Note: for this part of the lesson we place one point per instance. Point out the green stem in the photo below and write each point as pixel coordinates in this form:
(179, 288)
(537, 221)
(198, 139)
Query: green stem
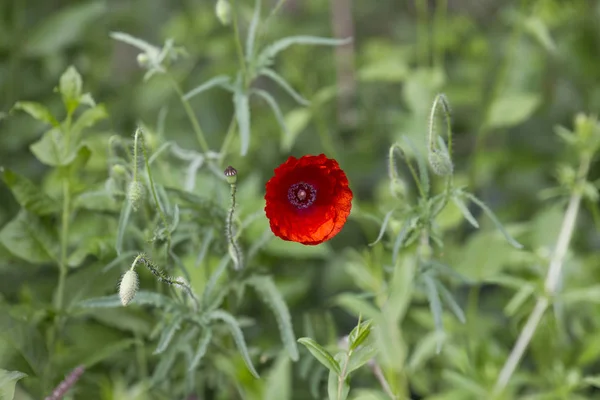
(153, 189)
(191, 116)
(230, 236)
(64, 238)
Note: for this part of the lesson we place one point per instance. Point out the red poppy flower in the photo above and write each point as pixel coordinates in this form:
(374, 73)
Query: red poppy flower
(308, 199)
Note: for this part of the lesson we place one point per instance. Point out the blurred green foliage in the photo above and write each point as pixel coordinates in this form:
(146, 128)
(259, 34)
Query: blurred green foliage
(512, 72)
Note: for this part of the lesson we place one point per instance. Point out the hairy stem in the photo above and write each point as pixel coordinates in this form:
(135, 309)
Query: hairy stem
(552, 281)
(232, 240)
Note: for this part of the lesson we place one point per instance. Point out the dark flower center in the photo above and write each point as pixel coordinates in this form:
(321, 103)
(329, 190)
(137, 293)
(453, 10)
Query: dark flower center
(302, 195)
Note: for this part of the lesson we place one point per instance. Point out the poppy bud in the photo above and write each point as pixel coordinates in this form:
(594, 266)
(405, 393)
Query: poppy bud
(223, 11)
(143, 60)
(440, 163)
(128, 287)
(135, 193)
(231, 175)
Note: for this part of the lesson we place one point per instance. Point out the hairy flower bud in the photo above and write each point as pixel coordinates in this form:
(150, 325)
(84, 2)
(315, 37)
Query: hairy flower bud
(128, 286)
(223, 11)
(440, 163)
(135, 193)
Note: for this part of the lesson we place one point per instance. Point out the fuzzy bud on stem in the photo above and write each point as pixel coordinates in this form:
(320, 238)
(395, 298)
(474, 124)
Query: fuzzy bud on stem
(440, 163)
(230, 175)
(135, 194)
(223, 11)
(128, 286)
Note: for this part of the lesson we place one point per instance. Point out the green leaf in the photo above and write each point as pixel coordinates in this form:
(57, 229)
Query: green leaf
(435, 305)
(201, 350)
(89, 118)
(279, 382)
(28, 195)
(425, 349)
(62, 28)
(450, 302)
(8, 381)
(359, 334)
(251, 36)
(275, 77)
(275, 107)
(106, 352)
(214, 279)
(51, 149)
(361, 356)
(296, 121)
(167, 334)
(267, 290)
(518, 299)
(30, 238)
(356, 305)
(266, 56)
(209, 84)
(512, 109)
(25, 337)
(384, 224)
(322, 355)
(98, 246)
(37, 111)
(242, 115)
(589, 381)
(465, 211)
(400, 290)
(495, 220)
(238, 337)
(70, 87)
(140, 44)
(404, 231)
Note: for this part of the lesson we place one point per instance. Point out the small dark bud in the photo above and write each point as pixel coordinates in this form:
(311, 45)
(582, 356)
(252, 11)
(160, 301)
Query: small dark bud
(231, 175)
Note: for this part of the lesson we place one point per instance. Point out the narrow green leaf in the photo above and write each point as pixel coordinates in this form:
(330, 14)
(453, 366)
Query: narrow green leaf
(238, 337)
(469, 385)
(251, 36)
(8, 382)
(386, 219)
(279, 382)
(589, 381)
(242, 115)
(37, 111)
(491, 215)
(435, 306)
(278, 79)
(356, 305)
(168, 333)
(590, 294)
(296, 121)
(265, 287)
(425, 349)
(451, 302)
(30, 238)
(214, 279)
(359, 334)
(28, 195)
(209, 84)
(266, 56)
(275, 107)
(421, 164)
(404, 231)
(400, 290)
(518, 299)
(322, 355)
(70, 87)
(146, 47)
(122, 227)
(465, 211)
(201, 349)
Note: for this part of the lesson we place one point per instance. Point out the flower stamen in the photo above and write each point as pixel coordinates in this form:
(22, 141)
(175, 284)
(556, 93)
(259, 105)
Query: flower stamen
(302, 195)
